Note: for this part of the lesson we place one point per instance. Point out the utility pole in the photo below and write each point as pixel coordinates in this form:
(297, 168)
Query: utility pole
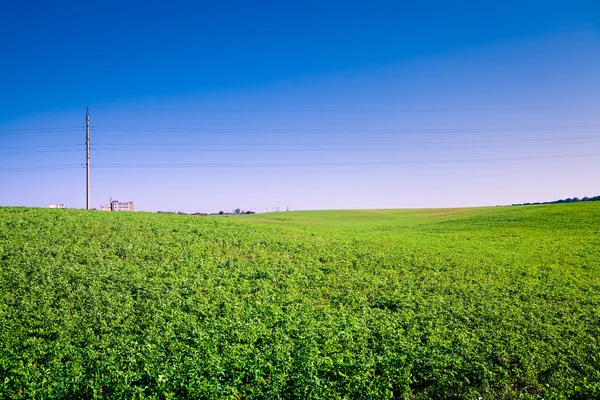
(87, 158)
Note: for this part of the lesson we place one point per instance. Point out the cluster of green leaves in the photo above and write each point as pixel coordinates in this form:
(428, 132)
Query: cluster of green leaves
(480, 303)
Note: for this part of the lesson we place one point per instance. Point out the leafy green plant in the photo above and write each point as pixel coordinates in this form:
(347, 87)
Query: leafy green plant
(496, 302)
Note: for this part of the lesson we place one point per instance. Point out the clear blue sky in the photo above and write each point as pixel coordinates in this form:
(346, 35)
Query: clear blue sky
(208, 106)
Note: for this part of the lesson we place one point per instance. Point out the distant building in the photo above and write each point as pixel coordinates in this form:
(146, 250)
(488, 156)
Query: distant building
(56, 206)
(116, 205)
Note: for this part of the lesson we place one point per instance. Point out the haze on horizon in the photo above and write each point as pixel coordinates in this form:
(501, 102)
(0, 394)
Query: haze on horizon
(312, 105)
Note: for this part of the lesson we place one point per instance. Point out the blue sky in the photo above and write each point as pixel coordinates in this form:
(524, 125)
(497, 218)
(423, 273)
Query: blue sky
(310, 105)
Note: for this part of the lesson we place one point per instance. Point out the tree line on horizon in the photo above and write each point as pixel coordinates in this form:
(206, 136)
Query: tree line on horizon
(568, 200)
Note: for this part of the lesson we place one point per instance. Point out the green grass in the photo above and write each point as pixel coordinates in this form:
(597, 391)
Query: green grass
(364, 220)
(498, 302)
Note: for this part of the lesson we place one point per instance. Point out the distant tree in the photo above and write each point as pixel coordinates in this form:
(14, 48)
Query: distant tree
(236, 211)
(221, 213)
(567, 200)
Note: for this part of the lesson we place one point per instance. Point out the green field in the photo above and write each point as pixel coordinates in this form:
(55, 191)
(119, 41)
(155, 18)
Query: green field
(480, 303)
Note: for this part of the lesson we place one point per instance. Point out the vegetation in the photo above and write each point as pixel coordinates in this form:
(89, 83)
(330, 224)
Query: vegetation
(568, 200)
(499, 302)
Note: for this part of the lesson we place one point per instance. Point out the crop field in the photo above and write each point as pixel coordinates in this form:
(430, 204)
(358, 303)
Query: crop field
(482, 303)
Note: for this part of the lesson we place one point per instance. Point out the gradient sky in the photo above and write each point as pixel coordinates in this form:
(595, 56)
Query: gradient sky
(208, 106)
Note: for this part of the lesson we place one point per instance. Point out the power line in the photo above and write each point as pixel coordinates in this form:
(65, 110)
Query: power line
(39, 151)
(521, 142)
(298, 164)
(315, 149)
(41, 146)
(366, 110)
(297, 130)
(403, 143)
(34, 131)
(41, 168)
(345, 130)
(344, 164)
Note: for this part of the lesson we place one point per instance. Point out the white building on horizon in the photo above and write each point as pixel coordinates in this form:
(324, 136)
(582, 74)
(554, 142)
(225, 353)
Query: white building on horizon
(116, 205)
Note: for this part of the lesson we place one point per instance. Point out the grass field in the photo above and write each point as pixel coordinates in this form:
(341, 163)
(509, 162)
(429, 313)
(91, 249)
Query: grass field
(498, 302)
